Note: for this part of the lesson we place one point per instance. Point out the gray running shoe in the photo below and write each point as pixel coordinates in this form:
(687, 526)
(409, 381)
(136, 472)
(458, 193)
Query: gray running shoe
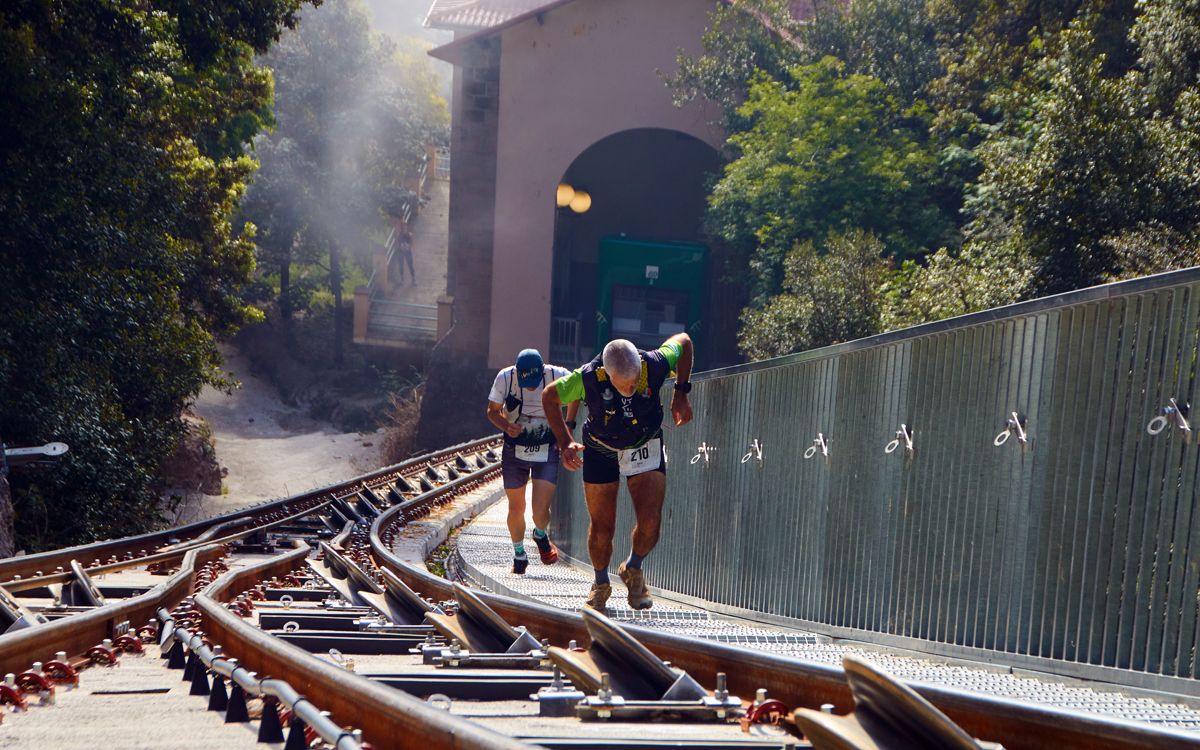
(598, 597)
(635, 581)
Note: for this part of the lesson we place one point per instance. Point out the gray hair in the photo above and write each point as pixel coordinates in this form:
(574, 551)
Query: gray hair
(621, 358)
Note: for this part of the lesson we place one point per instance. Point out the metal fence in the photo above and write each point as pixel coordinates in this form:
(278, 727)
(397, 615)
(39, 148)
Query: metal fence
(1077, 551)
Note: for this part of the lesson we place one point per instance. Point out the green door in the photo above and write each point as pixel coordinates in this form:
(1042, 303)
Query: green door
(649, 291)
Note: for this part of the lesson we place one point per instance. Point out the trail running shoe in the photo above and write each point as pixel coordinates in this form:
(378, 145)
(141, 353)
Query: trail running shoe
(520, 564)
(546, 549)
(598, 597)
(635, 581)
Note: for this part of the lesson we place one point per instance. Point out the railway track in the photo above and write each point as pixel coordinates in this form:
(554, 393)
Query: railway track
(303, 619)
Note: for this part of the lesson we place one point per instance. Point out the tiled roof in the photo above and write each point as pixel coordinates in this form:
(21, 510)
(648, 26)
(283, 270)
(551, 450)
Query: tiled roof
(478, 14)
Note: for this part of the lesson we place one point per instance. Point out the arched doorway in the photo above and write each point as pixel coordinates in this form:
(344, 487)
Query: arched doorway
(634, 264)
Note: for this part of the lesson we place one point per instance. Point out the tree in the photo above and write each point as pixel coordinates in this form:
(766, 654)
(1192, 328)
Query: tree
(121, 164)
(354, 112)
(830, 294)
(1098, 168)
(834, 153)
(745, 39)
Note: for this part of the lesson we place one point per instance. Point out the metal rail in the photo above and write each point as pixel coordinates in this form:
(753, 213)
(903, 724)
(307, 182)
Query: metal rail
(80, 632)
(249, 681)
(139, 547)
(389, 718)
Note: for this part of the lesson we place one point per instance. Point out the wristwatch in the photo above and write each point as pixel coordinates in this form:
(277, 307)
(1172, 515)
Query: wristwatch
(684, 388)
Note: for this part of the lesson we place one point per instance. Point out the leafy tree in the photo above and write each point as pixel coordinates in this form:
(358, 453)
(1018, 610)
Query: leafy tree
(1097, 166)
(892, 40)
(830, 294)
(745, 39)
(831, 154)
(120, 166)
(354, 112)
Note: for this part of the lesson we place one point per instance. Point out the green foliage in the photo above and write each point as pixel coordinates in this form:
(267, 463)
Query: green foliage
(121, 163)
(1044, 146)
(833, 153)
(829, 295)
(745, 38)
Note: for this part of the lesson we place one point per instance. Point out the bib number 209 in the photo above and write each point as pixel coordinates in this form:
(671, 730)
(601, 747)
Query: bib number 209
(535, 453)
(644, 458)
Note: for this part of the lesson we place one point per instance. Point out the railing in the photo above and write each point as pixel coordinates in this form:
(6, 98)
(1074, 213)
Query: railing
(564, 341)
(1034, 515)
(392, 319)
(442, 162)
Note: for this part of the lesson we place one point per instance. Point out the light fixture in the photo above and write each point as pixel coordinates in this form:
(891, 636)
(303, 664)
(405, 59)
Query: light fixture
(581, 202)
(564, 195)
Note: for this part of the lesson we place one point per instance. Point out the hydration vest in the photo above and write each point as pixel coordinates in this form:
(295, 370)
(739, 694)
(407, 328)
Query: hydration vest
(615, 421)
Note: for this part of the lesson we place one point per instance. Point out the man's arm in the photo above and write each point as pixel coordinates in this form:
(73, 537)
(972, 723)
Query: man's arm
(681, 407)
(497, 418)
(552, 404)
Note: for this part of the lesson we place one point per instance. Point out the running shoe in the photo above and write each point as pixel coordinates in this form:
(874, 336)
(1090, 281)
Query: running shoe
(598, 597)
(546, 549)
(520, 564)
(635, 581)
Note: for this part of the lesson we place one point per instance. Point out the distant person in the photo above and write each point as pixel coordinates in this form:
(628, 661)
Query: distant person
(622, 437)
(530, 453)
(403, 256)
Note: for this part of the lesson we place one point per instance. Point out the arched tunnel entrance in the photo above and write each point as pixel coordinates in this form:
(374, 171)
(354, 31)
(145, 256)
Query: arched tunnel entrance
(634, 264)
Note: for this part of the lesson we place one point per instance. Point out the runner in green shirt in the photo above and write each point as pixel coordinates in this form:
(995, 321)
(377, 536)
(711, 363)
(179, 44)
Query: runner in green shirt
(622, 437)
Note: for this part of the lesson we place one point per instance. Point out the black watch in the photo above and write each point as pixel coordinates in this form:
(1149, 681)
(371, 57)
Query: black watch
(684, 388)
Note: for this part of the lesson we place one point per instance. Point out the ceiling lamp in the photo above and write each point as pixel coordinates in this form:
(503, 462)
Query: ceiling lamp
(581, 202)
(564, 195)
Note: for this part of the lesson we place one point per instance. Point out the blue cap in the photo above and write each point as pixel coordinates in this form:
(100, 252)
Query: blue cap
(529, 368)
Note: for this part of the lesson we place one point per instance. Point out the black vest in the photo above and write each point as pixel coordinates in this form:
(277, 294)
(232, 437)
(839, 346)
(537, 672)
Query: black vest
(619, 422)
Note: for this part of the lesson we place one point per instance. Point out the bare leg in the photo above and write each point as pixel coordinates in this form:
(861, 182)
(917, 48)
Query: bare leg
(543, 495)
(516, 513)
(647, 490)
(602, 509)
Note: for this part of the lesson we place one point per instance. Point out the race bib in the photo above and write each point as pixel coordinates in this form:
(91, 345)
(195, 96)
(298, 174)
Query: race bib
(639, 460)
(537, 454)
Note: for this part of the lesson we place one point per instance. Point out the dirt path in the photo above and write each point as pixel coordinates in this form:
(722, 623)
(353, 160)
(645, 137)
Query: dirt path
(271, 449)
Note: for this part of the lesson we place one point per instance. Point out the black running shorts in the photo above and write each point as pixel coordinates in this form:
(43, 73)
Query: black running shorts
(600, 464)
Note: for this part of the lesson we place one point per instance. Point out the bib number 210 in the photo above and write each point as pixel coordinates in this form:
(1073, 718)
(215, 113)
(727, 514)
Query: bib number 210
(644, 458)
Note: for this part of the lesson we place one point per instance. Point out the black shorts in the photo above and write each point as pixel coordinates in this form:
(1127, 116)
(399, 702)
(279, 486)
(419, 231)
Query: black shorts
(600, 465)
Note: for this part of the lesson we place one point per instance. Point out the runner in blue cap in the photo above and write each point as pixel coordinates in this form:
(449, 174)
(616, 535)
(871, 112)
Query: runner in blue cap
(530, 453)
